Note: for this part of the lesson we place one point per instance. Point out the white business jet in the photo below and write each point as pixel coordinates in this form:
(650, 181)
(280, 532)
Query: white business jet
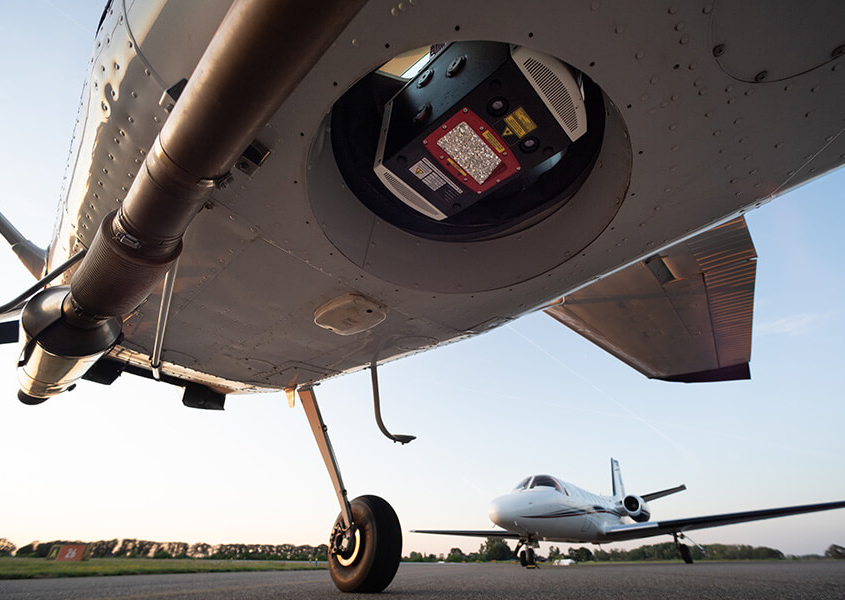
(544, 508)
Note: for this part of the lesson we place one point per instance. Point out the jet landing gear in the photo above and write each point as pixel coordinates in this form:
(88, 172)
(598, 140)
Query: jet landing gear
(683, 550)
(527, 558)
(366, 541)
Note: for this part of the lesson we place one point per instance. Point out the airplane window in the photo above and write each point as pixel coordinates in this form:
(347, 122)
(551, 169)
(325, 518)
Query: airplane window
(522, 484)
(547, 481)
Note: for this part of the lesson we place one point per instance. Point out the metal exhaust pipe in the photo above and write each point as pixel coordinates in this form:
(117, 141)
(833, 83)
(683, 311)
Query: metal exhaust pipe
(259, 54)
(261, 51)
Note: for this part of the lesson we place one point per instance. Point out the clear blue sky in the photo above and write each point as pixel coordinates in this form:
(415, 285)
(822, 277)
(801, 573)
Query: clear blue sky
(130, 461)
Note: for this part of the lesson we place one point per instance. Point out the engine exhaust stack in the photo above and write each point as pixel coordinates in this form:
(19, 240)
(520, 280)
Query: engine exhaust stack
(60, 344)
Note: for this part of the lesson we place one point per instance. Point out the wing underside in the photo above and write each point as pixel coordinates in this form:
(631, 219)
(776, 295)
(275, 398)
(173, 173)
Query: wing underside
(493, 533)
(681, 315)
(650, 529)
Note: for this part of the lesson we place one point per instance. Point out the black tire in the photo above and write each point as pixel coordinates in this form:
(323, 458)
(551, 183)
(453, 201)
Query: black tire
(530, 558)
(372, 567)
(522, 560)
(685, 553)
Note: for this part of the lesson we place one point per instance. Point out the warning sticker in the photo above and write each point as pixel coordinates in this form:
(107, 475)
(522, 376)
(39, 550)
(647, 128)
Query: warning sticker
(491, 139)
(519, 124)
(431, 176)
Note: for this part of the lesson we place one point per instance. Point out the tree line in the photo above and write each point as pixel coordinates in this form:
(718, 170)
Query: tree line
(134, 548)
(495, 549)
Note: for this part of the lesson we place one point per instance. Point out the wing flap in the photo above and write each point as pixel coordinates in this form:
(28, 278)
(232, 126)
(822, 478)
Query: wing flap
(683, 315)
(642, 530)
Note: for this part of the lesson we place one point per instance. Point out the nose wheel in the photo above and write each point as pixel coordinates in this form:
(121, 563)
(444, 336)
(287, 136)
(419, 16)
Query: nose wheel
(527, 558)
(365, 544)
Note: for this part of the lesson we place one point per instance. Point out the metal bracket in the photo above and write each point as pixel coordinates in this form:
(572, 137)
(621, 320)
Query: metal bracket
(321, 435)
(171, 95)
(163, 312)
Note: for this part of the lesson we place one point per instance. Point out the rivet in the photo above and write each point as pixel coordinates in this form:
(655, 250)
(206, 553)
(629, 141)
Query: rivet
(638, 55)
(718, 50)
(708, 8)
(761, 76)
(684, 39)
(619, 29)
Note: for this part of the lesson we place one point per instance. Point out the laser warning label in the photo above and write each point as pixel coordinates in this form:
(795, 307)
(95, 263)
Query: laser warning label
(518, 124)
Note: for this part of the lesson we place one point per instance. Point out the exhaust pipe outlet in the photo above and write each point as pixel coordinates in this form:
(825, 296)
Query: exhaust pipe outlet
(60, 345)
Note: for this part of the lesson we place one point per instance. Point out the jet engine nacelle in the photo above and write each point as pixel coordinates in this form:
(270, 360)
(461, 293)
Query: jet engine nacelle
(637, 508)
(59, 345)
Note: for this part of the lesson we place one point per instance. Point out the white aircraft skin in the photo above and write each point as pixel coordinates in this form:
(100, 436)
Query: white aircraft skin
(575, 515)
(544, 508)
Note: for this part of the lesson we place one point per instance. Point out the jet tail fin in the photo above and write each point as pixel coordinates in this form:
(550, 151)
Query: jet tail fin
(616, 475)
(32, 257)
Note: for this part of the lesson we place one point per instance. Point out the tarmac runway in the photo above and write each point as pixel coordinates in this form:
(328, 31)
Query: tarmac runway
(817, 580)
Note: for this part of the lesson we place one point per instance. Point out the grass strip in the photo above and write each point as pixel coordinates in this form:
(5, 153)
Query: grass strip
(31, 568)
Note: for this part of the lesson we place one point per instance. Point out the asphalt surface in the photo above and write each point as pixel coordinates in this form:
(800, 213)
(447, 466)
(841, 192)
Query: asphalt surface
(817, 580)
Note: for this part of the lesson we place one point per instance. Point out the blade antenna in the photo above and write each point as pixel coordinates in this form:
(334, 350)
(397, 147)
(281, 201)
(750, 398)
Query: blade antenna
(401, 438)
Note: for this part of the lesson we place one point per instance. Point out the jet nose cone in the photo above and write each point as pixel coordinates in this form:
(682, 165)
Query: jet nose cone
(500, 511)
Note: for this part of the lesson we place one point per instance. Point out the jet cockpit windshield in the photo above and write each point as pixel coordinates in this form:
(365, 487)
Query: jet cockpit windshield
(546, 481)
(522, 484)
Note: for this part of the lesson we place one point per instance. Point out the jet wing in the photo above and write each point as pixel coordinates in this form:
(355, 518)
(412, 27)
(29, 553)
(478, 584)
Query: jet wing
(650, 529)
(681, 315)
(493, 533)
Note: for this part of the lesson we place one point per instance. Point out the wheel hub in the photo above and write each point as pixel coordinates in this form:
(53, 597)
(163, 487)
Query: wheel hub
(345, 544)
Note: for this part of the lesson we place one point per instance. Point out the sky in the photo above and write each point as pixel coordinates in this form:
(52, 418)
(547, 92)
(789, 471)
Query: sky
(532, 397)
